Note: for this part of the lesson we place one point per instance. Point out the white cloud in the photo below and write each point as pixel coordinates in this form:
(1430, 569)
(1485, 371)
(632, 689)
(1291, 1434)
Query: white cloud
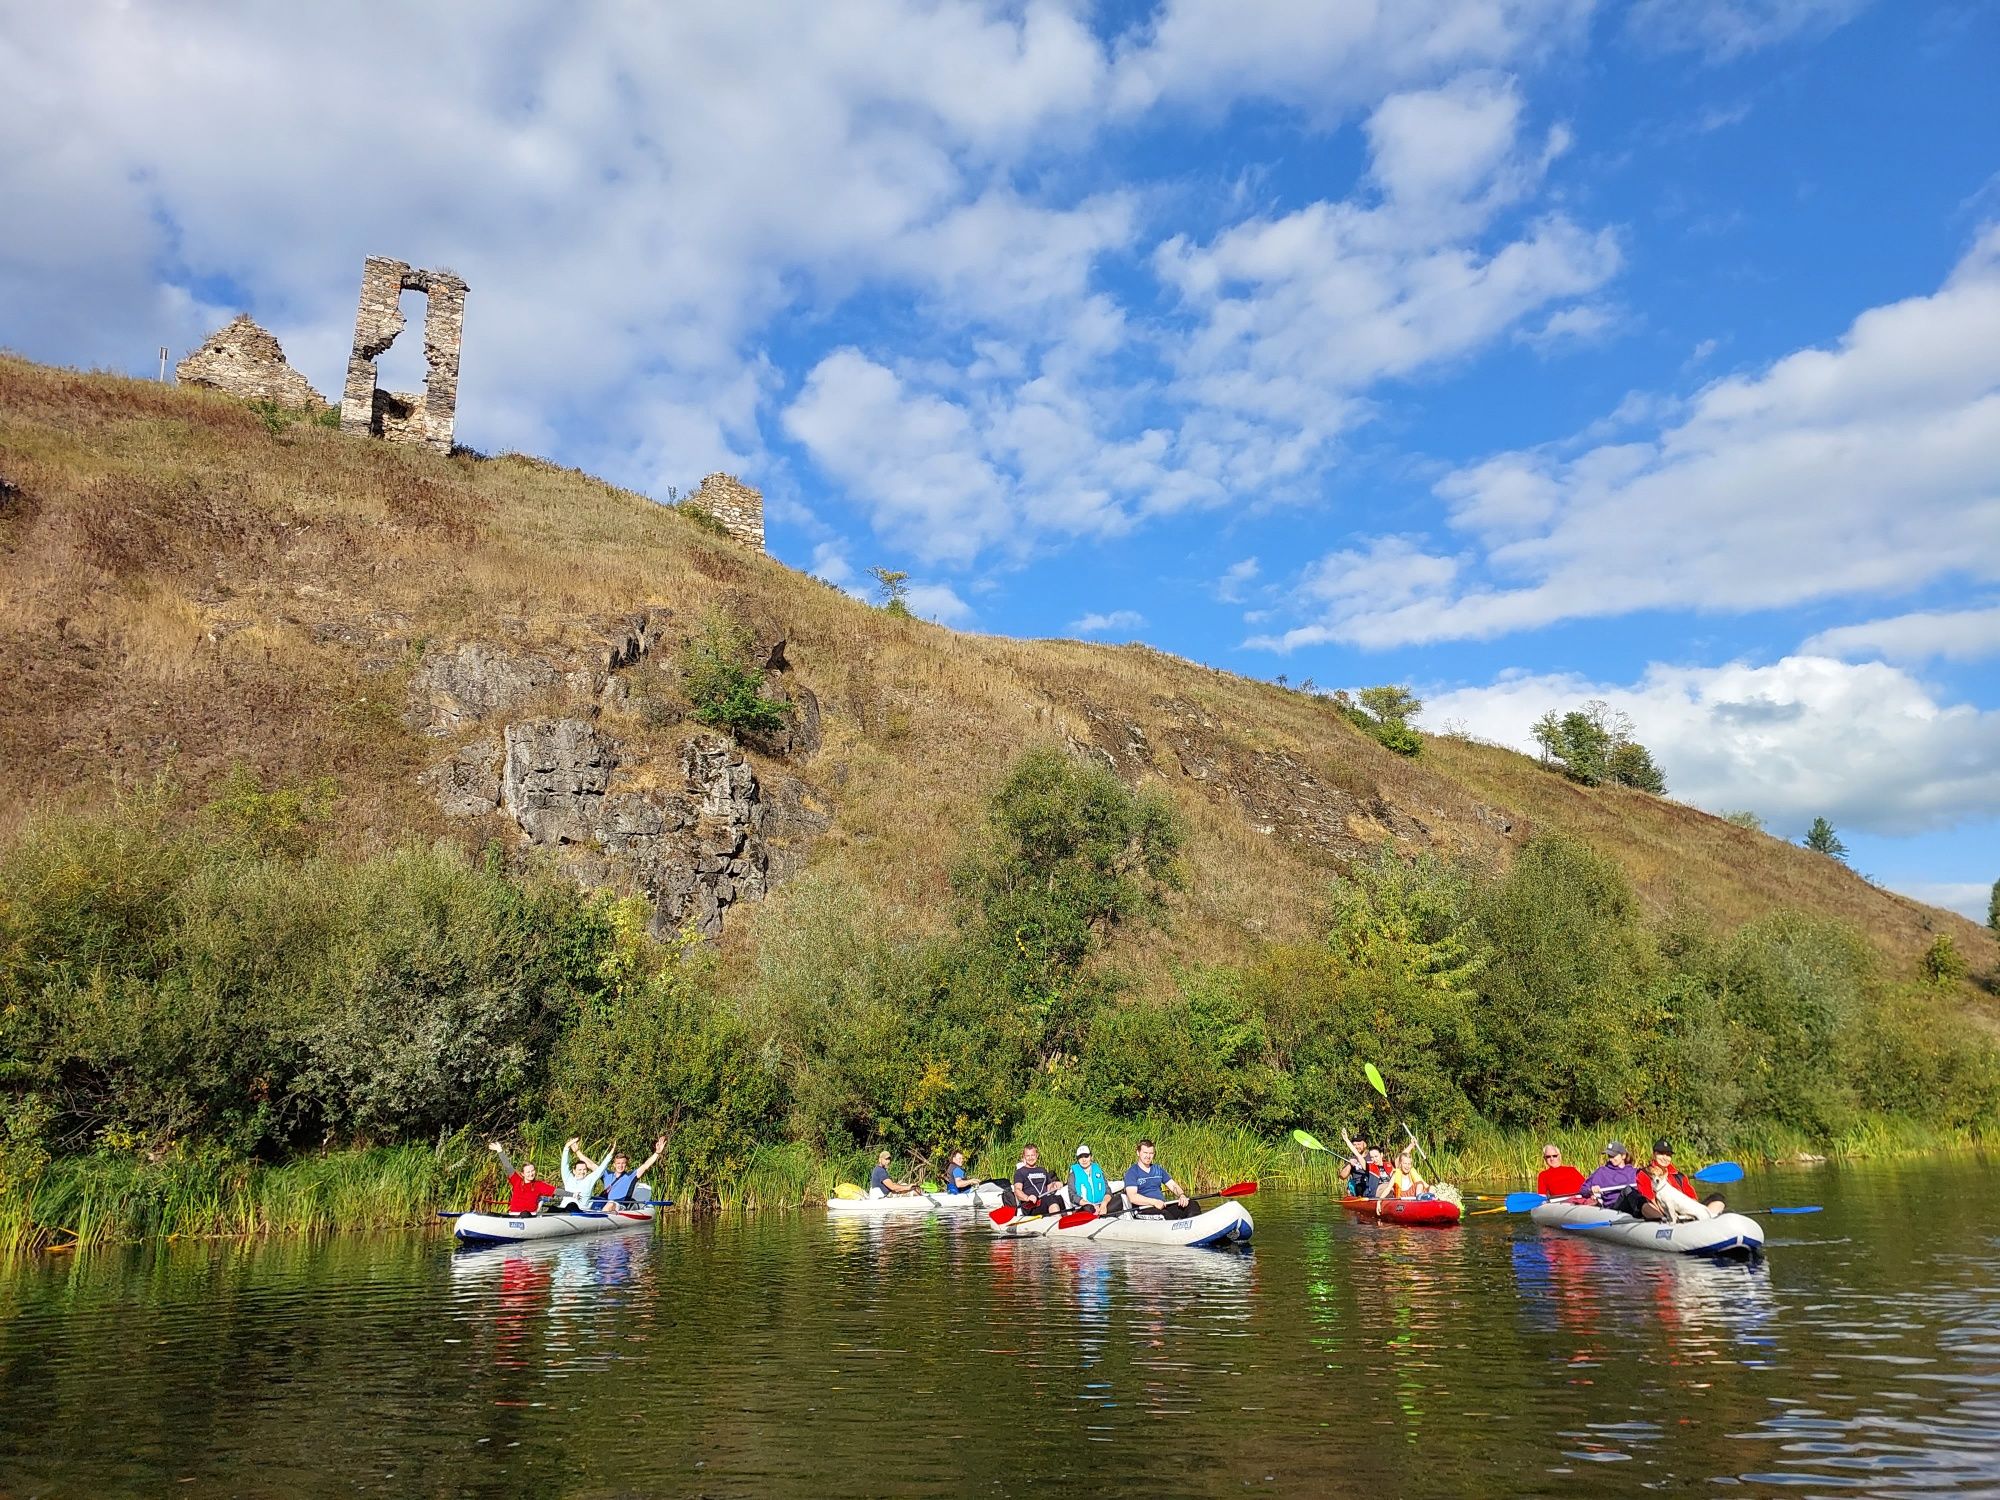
(1968, 898)
(1866, 746)
(1235, 578)
(1098, 624)
(937, 601)
(1955, 634)
(1872, 467)
(1724, 29)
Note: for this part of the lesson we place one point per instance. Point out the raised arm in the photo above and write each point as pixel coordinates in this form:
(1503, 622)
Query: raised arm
(576, 1148)
(659, 1145)
(506, 1162)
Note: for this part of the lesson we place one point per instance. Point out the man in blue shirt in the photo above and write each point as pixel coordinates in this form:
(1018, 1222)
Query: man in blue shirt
(621, 1180)
(1086, 1181)
(881, 1184)
(1148, 1187)
(956, 1179)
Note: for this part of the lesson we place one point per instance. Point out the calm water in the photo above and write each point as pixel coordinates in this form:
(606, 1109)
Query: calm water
(787, 1355)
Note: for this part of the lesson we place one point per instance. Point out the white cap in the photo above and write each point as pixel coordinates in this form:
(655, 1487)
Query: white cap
(1082, 1151)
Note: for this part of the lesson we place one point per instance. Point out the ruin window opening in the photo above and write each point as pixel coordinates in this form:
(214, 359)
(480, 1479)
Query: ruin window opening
(402, 366)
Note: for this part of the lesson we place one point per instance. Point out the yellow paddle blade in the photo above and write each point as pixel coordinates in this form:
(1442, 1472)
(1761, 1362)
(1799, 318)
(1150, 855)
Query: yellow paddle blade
(1375, 1079)
(847, 1190)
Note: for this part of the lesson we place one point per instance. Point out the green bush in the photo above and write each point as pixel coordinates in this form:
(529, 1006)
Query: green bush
(725, 691)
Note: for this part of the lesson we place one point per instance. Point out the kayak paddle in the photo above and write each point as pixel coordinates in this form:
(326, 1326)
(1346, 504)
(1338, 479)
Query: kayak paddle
(1368, 1071)
(847, 1190)
(1309, 1141)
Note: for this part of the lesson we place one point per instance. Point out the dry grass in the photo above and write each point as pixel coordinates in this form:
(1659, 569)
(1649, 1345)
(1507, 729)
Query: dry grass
(183, 589)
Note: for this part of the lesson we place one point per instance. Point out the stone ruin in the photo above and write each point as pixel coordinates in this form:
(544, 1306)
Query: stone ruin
(738, 507)
(244, 360)
(425, 419)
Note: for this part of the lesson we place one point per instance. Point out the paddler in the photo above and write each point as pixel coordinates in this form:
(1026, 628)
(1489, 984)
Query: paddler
(621, 1182)
(1036, 1190)
(1609, 1182)
(881, 1184)
(1148, 1187)
(956, 1180)
(1086, 1181)
(1665, 1194)
(1403, 1181)
(525, 1191)
(1556, 1180)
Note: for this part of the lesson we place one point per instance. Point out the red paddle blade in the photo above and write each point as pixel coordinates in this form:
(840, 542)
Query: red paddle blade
(1240, 1190)
(1080, 1217)
(1004, 1214)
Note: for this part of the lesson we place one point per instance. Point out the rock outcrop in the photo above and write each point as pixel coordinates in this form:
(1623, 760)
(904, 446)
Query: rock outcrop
(242, 359)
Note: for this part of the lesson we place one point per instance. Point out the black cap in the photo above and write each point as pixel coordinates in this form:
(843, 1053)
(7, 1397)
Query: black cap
(1663, 1147)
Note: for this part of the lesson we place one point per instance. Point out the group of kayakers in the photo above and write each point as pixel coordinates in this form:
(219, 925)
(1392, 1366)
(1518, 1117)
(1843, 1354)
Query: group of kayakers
(1371, 1174)
(527, 1191)
(1145, 1187)
(1655, 1190)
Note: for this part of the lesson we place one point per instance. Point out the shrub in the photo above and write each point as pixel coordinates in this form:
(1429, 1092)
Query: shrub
(725, 690)
(1942, 965)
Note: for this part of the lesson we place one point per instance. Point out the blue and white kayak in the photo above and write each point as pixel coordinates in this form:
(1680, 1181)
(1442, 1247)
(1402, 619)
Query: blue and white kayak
(1226, 1224)
(550, 1224)
(1724, 1237)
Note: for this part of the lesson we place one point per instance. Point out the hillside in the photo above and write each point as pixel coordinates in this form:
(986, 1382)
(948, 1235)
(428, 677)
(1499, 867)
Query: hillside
(186, 586)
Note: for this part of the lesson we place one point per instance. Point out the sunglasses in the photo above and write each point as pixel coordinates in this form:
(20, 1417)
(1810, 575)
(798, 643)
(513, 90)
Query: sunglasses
(1551, 1156)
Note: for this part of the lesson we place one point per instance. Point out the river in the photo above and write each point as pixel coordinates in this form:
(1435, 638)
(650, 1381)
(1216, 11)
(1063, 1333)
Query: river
(787, 1355)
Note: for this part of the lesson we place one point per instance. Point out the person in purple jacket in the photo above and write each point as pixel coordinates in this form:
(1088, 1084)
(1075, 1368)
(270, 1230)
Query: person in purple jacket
(1617, 1174)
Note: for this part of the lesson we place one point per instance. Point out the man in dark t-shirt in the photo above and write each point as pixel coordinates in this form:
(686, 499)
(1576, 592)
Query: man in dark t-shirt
(881, 1184)
(1036, 1189)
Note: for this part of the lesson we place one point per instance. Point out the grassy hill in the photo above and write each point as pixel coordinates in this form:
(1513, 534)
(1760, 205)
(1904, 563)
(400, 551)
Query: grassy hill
(187, 585)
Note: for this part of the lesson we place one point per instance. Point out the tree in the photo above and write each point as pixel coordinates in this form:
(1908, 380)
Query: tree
(893, 584)
(1993, 908)
(1942, 965)
(726, 691)
(1385, 713)
(1821, 839)
(1745, 819)
(1631, 764)
(1391, 704)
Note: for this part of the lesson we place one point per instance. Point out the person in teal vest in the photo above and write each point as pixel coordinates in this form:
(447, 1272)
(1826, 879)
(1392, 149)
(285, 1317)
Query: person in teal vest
(1086, 1181)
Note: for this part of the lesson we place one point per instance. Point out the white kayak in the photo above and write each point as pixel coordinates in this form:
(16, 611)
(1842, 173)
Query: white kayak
(550, 1224)
(1227, 1223)
(897, 1204)
(1725, 1237)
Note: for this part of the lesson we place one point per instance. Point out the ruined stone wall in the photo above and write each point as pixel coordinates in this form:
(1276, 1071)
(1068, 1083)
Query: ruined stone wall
(426, 418)
(738, 507)
(243, 359)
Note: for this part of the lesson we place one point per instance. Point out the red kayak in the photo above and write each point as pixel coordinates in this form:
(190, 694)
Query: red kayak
(1441, 1212)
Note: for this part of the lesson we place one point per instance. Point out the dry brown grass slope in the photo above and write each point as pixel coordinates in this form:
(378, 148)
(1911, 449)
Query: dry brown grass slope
(182, 588)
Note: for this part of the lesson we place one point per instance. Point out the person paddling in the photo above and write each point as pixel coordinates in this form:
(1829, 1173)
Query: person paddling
(881, 1184)
(1403, 1181)
(525, 1191)
(1148, 1187)
(956, 1179)
(1667, 1195)
(621, 1182)
(1556, 1180)
(1036, 1190)
(1609, 1182)
(1086, 1181)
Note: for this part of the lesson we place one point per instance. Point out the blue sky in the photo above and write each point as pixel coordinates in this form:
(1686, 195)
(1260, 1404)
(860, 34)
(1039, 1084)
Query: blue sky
(1525, 351)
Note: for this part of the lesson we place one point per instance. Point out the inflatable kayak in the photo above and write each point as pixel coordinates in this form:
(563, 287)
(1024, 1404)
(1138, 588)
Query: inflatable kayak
(1725, 1237)
(550, 1224)
(898, 1204)
(1439, 1212)
(1225, 1224)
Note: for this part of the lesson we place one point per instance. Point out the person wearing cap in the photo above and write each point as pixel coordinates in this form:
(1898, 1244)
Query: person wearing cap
(1556, 1180)
(881, 1184)
(1615, 1177)
(1086, 1181)
(1357, 1167)
(1666, 1194)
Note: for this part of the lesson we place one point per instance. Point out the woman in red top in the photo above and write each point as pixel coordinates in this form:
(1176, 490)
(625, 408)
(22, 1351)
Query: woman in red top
(525, 1191)
(1556, 1180)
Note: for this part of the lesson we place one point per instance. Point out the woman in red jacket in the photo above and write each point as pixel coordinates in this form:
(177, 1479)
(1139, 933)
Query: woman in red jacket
(1667, 1194)
(525, 1191)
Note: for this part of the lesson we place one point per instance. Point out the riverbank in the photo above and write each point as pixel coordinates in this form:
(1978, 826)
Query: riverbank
(114, 1198)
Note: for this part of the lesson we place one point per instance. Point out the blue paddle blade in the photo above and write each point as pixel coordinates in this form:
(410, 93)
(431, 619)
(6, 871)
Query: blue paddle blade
(1520, 1203)
(1721, 1171)
(1810, 1208)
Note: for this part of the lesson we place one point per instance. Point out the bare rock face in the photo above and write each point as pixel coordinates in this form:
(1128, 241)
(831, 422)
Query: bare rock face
(243, 359)
(555, 777)
(468, 785)
(472, 684)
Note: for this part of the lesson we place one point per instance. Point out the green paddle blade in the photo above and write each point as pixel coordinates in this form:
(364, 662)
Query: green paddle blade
(1307, 1140)
(1375, 1079)
(932, 1187)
